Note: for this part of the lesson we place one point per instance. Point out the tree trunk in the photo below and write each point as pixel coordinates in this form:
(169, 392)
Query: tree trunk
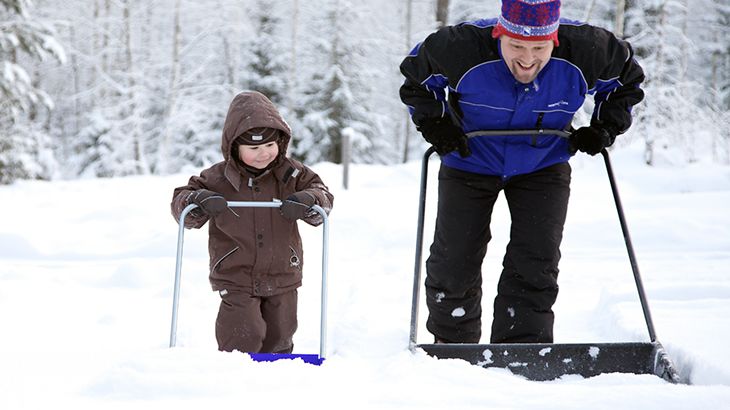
(686, 34)
(230, 60)
(659, 74)
(335, 154)
(95, 47)
(76, 83)
(293, 63)
(589, 11)
(105, 44)
(409, 45)
(136, 134)
(172, 94)
(346, 153)
(618, 25)
(442, 12)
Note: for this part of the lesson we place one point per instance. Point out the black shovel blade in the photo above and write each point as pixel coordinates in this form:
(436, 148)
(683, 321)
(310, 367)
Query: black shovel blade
(546, 361)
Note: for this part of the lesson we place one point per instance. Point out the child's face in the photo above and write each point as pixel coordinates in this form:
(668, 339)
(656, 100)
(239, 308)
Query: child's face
(258, 156)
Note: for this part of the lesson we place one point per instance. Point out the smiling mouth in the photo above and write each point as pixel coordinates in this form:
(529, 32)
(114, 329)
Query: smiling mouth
(525, 67)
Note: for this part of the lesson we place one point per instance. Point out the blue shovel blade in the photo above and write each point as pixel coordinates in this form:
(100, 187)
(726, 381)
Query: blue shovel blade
(272, 357)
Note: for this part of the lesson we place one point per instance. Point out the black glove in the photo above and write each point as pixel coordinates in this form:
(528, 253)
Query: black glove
(445, 136)
(297, 205)
(593, 139)
(209, 202)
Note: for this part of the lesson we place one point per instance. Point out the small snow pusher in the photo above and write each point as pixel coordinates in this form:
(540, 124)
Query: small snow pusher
(547, 361)
(312, 358)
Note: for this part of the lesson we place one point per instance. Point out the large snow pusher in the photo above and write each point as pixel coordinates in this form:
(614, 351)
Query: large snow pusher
(311, 358)
(549, 361)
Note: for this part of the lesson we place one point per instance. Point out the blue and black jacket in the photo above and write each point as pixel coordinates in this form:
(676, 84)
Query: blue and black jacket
(483, 95)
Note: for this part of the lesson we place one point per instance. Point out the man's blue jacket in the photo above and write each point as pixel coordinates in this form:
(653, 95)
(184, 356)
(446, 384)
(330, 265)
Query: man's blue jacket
(483, 95)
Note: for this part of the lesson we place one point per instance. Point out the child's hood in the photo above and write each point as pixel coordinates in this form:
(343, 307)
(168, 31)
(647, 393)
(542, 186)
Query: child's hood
(251, 109)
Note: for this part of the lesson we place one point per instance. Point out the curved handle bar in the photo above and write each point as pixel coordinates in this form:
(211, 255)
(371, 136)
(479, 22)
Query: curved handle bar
(523, 132)
(255, 204)
(526, 132)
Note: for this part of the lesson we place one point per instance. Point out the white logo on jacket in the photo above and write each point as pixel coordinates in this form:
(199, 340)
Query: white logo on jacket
(558, 104)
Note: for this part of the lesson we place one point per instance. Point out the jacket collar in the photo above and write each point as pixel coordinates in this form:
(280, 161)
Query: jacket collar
(237, 177)
(233, 175)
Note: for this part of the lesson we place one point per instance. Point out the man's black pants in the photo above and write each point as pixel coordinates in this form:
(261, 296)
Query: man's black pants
(528, 285)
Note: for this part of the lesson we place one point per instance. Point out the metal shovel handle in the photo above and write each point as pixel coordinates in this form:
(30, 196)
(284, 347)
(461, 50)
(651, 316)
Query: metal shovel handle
(255, 204)
(524, 132)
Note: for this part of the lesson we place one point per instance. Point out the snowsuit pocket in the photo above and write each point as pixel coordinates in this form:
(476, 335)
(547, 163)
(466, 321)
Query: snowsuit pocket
(294, 260)
(220, 260)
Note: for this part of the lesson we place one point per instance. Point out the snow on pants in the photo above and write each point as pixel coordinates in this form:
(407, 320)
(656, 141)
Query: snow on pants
(528, 285)
(256, 324)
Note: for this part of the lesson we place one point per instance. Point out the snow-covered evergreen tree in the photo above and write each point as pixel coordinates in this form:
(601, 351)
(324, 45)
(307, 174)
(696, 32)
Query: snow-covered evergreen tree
(712, 63)
(164, 93)
(211, 66)
(266, 67)
(23, 41)
(671, 121)
(115, 141)
(337, 96)
(147, 91)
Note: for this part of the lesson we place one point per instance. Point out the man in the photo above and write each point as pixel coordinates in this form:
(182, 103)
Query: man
(527, 69)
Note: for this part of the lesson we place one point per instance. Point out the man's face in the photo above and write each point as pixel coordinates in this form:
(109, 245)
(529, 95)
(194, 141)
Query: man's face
(525, 58)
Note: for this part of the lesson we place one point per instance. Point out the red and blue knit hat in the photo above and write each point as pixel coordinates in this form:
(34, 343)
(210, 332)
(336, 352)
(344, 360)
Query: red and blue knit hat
(530, 20)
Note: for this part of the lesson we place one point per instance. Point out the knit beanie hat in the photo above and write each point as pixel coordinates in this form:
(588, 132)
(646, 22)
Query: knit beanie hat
(531, 20)
(257, 136)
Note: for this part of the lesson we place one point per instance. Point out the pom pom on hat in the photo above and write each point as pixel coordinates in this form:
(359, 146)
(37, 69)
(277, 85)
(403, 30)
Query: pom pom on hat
(531, 20)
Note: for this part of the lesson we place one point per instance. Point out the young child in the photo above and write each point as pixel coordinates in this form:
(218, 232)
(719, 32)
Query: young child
(255, 253)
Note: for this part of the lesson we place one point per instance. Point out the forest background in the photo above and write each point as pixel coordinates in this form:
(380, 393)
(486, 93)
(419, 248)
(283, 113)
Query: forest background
(104, 88)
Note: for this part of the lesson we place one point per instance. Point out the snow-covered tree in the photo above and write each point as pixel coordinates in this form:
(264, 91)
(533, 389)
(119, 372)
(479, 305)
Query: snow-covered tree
(470, 10)
(336, 99)
(164, 92)
(148, 83)
(23, 40)
(266, 67)
(712, 63)
(671, 121)
(21, 34)
(114, 142)
(211, 64)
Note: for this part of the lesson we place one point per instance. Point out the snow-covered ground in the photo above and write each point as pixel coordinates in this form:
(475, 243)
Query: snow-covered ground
(87, 269)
